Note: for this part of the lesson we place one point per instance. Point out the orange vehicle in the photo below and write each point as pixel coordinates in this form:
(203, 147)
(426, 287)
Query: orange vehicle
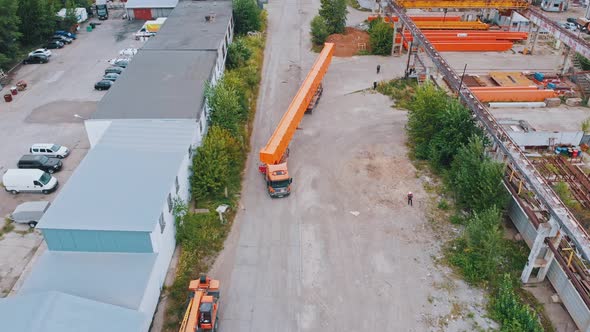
(274, 155)
(201, 313)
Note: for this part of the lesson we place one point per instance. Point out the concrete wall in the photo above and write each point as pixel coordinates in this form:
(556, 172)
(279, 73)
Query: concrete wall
(546, 138)
(97, 241)
(564, 288)
(150, 299)
(95, 129)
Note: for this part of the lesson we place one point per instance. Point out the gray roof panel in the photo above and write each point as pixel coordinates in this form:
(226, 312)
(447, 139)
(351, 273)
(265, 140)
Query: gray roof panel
(58, 312)
(159, 85)
(190, 16)
(118, 279)
(122, 183)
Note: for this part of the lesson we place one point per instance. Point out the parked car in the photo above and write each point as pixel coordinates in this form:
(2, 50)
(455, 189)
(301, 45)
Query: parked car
(42, 51)
(111, 77)
(37, 58)
(54, 44)
(28, 180)
(44, 163)
(29, 213)
(123, 63)
(571, 20)
(66, 34)
(103, 85)
(570, 26)
(50, 150)
(62, 39)
(115, 70)
(128, 52)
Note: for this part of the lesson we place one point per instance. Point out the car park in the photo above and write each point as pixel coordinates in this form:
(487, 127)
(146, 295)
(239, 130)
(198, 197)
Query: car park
(29, 213)
(103, 85)
(54, 44)
(42, 51)
(111, 77)
(37, 58)
(28, 180)
(66, 34)
(50, 150)
(62, 39)
(115, 70)
(44, 163)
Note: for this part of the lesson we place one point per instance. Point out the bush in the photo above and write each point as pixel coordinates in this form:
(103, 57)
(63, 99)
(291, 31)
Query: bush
(226, 109)
(319, 30)
(214, 162)
(511, 312)
(381, 37)
(246, 16)
(237, 54)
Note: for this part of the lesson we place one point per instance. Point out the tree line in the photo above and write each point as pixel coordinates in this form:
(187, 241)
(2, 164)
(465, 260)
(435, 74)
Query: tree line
(25, 24)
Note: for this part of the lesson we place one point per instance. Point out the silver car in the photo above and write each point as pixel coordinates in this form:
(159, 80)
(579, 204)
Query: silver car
(29, 213)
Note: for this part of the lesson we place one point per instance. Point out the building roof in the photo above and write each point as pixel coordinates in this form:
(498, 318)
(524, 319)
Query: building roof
(151, 3)
(159, 85)
(123, 182)
(190, 16)
(58, 312)
(118, 279)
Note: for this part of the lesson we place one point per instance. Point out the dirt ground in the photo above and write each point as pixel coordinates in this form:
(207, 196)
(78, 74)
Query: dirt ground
(350, 43)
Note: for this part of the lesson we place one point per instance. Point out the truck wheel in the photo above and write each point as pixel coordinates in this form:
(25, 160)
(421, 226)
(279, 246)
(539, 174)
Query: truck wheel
(45, 191)
(14, 192)
(32, 224)
(50, 171)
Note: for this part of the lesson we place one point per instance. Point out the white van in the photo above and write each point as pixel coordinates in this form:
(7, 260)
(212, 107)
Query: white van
(28, 180)
(50, 150)
(29, 213)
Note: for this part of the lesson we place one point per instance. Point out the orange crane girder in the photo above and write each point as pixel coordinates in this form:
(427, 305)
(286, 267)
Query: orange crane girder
(515, 95)
(278, 143)
(497, 4)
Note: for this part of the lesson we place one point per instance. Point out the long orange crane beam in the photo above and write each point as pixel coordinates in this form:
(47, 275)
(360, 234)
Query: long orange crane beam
(278, 143)
(496, 4)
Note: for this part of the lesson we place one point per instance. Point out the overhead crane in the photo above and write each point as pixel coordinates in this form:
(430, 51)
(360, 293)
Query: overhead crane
(493, 4)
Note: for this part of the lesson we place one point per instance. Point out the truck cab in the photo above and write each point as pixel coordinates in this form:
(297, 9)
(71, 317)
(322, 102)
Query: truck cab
(278, 182)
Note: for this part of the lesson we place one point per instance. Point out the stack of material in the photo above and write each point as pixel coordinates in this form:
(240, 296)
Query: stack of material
(512, 94)
(461, 41)
(510, 79)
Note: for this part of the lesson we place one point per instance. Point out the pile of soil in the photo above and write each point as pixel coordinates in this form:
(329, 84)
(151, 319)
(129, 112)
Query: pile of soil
(349, 43)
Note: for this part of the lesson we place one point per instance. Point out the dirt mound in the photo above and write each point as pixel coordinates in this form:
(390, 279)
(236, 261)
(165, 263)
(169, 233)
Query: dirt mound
(349, 43)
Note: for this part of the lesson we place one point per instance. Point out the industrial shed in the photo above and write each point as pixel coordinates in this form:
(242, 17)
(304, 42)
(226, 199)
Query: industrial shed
(149, 9)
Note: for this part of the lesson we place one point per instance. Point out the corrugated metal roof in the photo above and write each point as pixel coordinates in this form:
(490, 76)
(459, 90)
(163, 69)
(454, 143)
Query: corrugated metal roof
(189, 16)
(123, 182)
(114, 278)
(159, 85)
(59, 312)
(151, 3)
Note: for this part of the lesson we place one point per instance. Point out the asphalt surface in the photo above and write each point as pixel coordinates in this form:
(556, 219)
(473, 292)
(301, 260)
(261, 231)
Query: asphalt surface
(344, 251)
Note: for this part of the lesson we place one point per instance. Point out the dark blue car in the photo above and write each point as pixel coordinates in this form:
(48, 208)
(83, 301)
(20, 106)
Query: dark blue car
(66, 34)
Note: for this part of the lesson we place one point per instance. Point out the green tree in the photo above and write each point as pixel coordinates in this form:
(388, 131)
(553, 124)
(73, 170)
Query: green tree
(511, 312)
(319, 30)
(246, 16)
(427, 103)
(9, 33)
(381, 37)
(237, 54)
(37, 21)
(226, 109)
(334, 12)
(455, 126)
(214, 162)
(70, 20)
(476, 179)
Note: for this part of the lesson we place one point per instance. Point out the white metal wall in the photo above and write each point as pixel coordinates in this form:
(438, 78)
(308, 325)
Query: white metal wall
(95, 129)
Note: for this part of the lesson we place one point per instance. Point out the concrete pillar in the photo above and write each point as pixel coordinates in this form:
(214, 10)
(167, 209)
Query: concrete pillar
(393, 45)
(549, 255)
(536, 35)
(566, 62)
(542, 232)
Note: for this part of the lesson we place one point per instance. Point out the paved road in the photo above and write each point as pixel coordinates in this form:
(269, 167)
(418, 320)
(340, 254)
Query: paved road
(344, 251)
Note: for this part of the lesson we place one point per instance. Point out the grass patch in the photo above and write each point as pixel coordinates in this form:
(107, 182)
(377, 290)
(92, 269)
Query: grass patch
(7, 227)
(201, 236)
(400, 90)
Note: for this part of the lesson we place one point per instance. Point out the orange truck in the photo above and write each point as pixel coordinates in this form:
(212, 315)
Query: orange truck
(273, 156)
(201, 313)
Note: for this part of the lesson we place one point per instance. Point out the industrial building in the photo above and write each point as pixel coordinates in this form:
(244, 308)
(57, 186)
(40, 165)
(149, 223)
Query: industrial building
(110, 232)
(149, 9)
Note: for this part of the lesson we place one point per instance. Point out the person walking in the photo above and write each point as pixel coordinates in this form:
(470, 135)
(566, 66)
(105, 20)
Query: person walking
(378, 68)
(410, 196)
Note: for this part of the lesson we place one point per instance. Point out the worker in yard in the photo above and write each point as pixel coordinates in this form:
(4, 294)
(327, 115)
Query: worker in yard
(410, 196)
(374, 85)
(378, 68)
